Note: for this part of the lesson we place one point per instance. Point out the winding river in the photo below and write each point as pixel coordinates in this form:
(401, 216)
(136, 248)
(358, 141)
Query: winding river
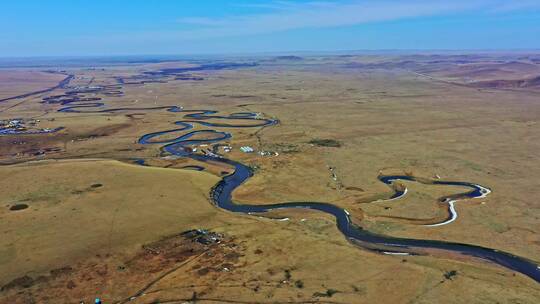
(221, 193)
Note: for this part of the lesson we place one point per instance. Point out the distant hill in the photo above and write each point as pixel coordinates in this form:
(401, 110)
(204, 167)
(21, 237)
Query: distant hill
(290, 57)
(507, 84)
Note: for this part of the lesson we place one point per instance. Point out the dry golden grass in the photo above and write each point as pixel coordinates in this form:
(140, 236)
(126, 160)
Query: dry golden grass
(68, 219)
(391, 120)
(95, 230)
(17, 82)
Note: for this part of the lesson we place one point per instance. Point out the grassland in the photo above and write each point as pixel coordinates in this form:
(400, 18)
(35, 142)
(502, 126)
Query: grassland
(343, 121)
(19, 82)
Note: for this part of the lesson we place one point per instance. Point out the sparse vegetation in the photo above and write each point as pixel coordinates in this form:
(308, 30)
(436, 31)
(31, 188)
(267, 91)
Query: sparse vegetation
(283, 148)
(328, 293)
(325, 143)
(17, 207)
(101, 212)
(449, 275)
(288, 275)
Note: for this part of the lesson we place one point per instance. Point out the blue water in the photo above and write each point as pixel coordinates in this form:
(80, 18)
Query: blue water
(221, 193)
(222, 196)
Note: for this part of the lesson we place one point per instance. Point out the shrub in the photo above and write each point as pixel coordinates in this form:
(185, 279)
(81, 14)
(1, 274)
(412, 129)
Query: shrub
(325, 143)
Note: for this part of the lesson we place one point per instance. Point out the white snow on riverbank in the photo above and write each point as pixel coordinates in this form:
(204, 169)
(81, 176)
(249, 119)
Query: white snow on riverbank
(395, 253)
(395, 198)
(453, 214)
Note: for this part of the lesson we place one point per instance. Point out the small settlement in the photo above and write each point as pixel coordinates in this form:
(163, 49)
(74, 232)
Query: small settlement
(20, 126)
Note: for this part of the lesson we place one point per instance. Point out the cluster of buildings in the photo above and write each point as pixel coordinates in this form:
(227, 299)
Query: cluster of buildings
(247, 149)
(203, 236)
(20, 126)
(214, 151)
(12, 124)
(268, 153)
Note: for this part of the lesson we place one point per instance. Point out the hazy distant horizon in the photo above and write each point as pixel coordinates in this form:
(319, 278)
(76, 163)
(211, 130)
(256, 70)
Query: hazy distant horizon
(283, 53)
(109, 60)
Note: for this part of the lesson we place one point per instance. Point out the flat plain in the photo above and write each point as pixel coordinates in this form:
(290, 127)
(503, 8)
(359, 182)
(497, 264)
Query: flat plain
(80, 217)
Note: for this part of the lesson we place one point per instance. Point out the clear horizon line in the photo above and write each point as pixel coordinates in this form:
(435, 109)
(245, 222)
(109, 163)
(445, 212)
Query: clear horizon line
(313, 52)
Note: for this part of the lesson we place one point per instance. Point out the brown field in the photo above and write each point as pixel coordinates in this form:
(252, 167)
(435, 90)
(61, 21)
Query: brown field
(96, 225)
(14, 83)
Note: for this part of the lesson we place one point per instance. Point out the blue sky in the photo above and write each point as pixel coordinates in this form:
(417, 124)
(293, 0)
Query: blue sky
(138, 27)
